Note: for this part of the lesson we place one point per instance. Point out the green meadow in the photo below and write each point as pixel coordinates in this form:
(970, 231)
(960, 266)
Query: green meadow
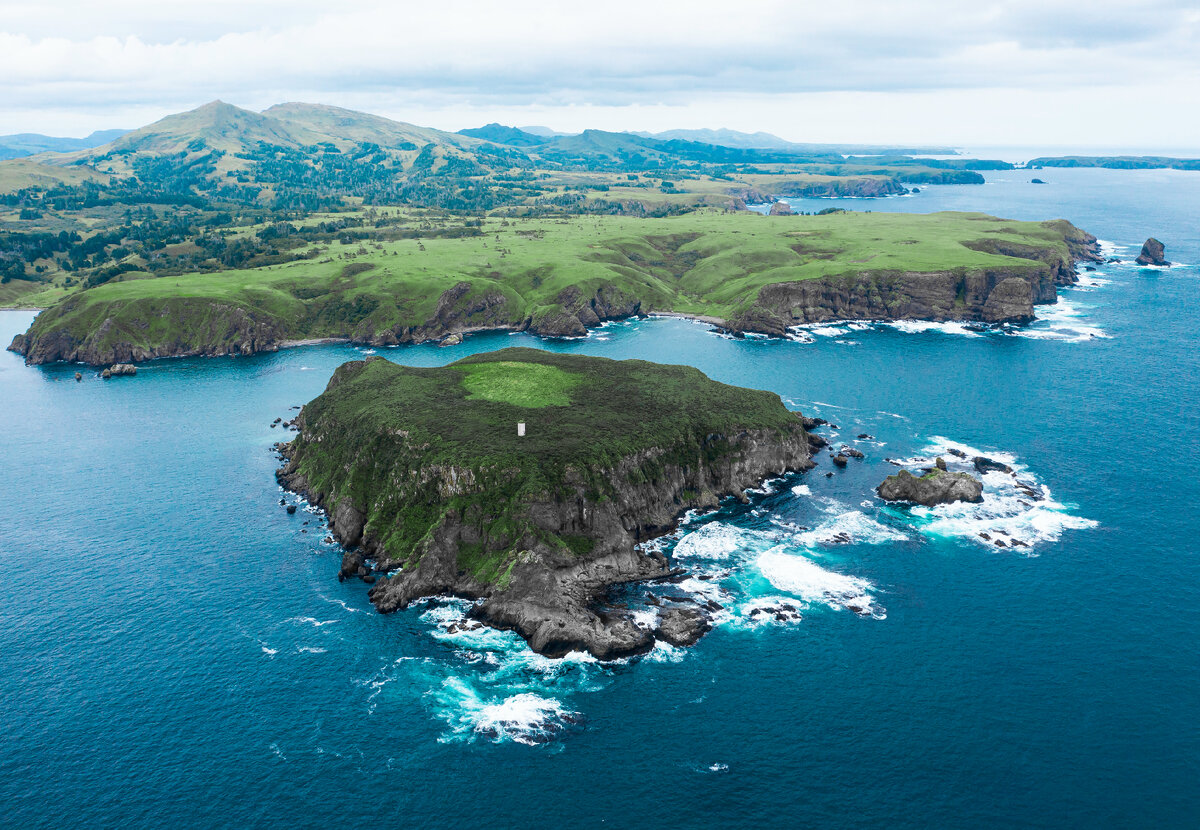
(704, 263)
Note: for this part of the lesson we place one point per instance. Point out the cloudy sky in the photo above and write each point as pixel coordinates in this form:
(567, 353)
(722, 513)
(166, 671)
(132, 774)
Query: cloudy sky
(987, 73)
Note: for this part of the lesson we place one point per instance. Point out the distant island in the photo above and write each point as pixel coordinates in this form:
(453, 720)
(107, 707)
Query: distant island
(1117, 162)
(525, 479)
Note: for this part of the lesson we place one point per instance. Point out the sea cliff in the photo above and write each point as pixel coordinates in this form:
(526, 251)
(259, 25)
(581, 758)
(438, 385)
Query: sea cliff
(747, 273)
(431, 489)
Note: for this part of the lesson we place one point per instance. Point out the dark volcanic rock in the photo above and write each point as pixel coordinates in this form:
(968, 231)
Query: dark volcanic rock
(839, 460)
(353, 564)
(682, 626)
(538, 527)
(984, 465)
(933, 488)
(1153, 253)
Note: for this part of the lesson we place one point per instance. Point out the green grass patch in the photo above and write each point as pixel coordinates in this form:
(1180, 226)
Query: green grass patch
(530, 385)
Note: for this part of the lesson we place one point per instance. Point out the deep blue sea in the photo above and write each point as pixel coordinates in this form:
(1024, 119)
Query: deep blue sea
(176, 650)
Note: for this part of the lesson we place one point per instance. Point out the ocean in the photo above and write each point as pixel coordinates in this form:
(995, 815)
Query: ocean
(175, 648)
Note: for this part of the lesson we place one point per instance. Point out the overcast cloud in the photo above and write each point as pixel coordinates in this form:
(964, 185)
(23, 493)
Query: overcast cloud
(1014, 71)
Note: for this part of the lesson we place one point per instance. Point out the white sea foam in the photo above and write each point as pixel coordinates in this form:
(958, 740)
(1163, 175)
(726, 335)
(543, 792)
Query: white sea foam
(313, 621)
(922, 326)
(802, 490)
(664, 652)
(310, 650)
(1089, 281)
(524, 718)
(800, 576)
(773, 610)
(849, 526)
(1061, 321)
(1017, 510)
(715, 540)
(270, 651)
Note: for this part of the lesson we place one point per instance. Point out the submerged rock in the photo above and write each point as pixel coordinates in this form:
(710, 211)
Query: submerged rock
(1153, 253)
(934, 488)
(682, 626)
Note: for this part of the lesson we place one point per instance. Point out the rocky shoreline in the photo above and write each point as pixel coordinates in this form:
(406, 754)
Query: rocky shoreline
(550, 593)
(993, 296)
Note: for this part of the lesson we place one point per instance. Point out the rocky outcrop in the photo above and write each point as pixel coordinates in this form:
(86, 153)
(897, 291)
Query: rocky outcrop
(867, 187)
(990, 296)
(576, 309)
(459, 309)
(1153, 253)
(205, 328)
(937, 486)
(781, 209)
(497, 534)
(682, 626)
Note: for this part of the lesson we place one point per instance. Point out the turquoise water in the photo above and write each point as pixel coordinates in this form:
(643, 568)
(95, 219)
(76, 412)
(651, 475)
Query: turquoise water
(175, 648)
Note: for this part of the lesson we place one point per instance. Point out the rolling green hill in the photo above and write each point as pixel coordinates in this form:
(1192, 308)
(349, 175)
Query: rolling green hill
(561, 276)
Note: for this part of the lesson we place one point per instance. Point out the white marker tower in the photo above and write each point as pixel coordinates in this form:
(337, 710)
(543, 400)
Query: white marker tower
(520, 429)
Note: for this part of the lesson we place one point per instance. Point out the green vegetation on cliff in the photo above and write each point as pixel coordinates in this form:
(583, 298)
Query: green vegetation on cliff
(583, 415)
(432, 490)
(552, 276)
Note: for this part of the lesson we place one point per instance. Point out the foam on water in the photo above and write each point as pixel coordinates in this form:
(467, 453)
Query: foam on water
(846, 527)
(715, 540)
(1017, 511)
(524, 718)
(798, 575)
(1061, 321)
(921, 326)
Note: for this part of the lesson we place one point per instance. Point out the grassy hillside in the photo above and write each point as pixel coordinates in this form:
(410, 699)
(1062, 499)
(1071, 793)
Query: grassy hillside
(518, 272)
(583, 416)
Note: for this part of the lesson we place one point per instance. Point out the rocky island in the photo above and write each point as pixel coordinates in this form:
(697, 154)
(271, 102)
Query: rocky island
(526, 479)
(936, 486)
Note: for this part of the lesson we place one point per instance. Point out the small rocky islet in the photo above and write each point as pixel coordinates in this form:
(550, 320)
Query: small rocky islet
(526, 480)
(938, 485)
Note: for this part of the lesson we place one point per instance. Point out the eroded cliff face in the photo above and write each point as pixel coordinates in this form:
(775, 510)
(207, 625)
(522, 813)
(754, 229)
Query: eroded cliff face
(145, 329)
(202, 327)
(990, 295)
(491, 539)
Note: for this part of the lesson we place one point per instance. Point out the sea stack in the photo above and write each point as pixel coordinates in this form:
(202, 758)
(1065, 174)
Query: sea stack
(938, 486)
(1153, 253)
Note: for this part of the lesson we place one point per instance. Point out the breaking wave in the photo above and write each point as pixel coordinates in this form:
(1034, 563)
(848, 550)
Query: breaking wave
(1017, 512)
